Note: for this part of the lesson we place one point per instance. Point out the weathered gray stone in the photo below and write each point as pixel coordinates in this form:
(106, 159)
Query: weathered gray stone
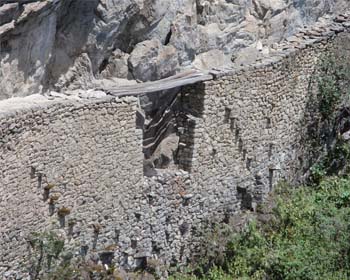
(241, 133)
(150, 61)
(70, 43)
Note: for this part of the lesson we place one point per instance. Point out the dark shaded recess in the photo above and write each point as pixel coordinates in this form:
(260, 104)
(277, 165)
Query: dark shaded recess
(245, 197)
(268, 123)
(162, 121)
(155, 249)
(126, 41)
(263, 11)
(132, 35)
(40, 180)
(103, 65)
(138, 216)
(226, 219)
(343, 120)
(95, 239)
(338, 157)
(199, 11)
(249, 163)
(168, 37)
(117, 235)
(5, 46)
(142, 265)
(106, 258)
(84, 250)
(32, 172)
(133, 244)
(237, 131)
(227, 115)
(271, 171)
(184, 227)
(52, 208)
(244, 154)
(167, 236)
(192, 104)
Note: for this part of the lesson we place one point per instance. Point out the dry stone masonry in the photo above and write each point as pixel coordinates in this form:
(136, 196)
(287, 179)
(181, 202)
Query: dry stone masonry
(75, 165)
(83, 159)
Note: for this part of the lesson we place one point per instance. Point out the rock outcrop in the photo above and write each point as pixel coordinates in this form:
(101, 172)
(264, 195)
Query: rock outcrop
(70, 44)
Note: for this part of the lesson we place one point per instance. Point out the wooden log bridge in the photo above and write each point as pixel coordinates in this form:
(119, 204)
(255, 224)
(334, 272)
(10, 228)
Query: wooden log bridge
(182, 79)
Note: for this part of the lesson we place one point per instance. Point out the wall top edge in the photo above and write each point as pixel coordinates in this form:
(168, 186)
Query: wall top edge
(19, 105)
(320, 33)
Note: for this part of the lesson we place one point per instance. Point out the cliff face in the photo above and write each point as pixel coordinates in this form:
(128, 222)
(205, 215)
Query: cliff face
(69, 44)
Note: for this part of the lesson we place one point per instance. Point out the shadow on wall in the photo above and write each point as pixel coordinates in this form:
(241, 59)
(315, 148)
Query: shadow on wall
(192, 101)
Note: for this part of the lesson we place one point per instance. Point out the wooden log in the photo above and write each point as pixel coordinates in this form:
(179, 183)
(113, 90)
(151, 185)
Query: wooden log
(179, 80)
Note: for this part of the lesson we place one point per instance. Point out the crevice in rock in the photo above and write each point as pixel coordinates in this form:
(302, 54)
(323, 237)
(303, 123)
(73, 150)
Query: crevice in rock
(103, 65)
(168, 37)
(259, 9)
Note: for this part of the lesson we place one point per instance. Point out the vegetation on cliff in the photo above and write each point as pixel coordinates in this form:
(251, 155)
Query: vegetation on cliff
(305, 237)
(303, 232)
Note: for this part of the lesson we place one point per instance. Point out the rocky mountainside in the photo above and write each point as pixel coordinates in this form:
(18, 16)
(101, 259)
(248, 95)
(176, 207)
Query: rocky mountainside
(70, 44)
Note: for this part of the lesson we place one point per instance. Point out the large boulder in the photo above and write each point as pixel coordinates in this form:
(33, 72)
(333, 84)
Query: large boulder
(211, 59)
(150, 61)
(116, 66)
(51, 44)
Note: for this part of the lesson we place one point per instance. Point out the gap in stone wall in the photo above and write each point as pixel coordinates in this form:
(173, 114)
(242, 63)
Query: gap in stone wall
(168, 121)
(192, 105)
(158, 119)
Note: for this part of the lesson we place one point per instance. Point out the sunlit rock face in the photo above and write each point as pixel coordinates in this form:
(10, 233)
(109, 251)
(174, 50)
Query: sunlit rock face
(71, 44)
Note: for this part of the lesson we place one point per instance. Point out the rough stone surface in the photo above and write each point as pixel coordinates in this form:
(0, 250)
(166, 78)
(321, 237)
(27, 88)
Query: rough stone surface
(238, 135)
(151, 61)
(116, 66)
(90, 152)
(211, 59)
(67, 44)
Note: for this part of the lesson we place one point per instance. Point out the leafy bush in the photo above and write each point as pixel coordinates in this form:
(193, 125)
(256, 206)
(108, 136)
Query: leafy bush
(45, 249)
(333, 81)
(335, 162)
(307, 237)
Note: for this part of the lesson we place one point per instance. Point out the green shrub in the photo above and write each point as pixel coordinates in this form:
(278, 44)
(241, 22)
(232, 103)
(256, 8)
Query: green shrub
(307, 237)
(333, 80)
(45, 250)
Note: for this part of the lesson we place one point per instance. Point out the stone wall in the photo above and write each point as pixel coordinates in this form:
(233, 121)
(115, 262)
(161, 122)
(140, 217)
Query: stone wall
(76, 166)
(246, 130)
(70, 166)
